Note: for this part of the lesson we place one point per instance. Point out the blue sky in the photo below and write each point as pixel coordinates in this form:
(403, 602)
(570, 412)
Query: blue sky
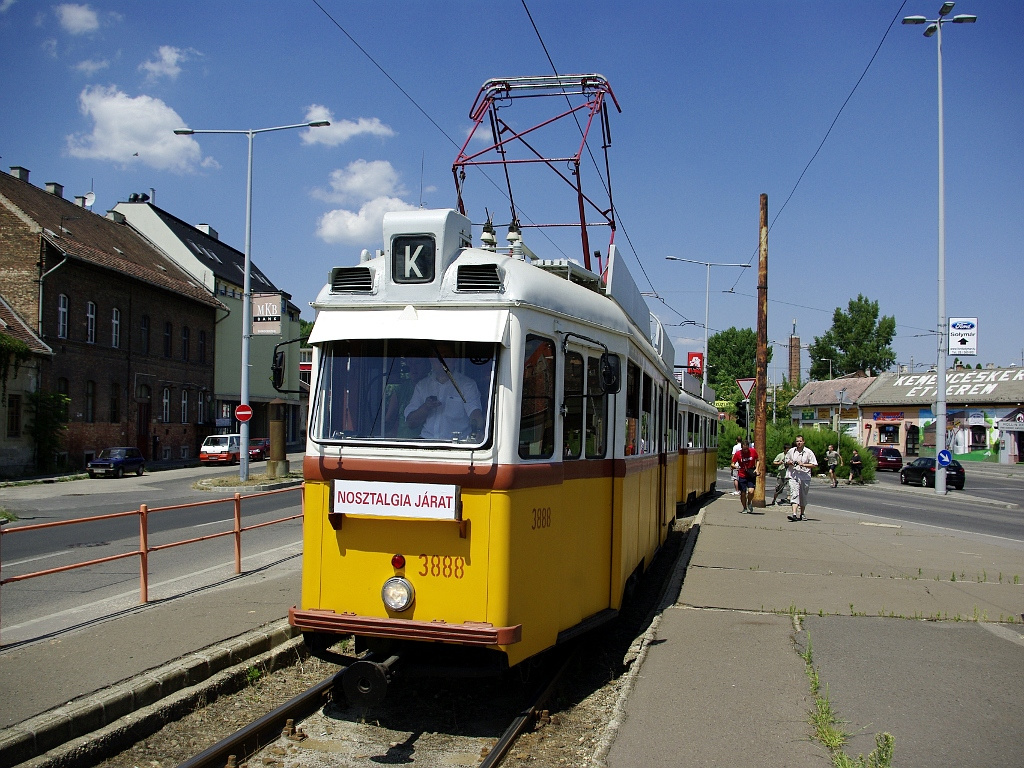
(721, 101)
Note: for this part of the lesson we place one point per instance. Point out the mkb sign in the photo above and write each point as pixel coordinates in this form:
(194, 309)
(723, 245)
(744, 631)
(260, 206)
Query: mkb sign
(266, 314)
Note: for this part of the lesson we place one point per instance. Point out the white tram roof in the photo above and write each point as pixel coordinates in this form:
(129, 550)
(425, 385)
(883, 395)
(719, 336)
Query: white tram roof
(429, 268)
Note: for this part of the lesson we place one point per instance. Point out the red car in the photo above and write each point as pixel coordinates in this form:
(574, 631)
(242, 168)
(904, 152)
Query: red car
(259, 448)
(886, 457)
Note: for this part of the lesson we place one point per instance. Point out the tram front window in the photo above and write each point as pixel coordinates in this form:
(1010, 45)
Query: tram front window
(404, 390)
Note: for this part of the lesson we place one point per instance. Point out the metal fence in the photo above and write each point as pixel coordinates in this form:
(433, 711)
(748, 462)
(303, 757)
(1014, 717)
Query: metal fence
(144, 512)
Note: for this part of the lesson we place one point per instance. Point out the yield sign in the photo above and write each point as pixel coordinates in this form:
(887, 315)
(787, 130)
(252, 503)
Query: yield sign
(745, 386)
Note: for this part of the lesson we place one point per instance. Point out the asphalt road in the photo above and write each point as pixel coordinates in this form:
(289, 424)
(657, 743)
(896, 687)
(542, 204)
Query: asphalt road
(47, 605)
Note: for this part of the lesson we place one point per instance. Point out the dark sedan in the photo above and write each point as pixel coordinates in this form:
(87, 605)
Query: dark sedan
(922, 472)
(117, 461)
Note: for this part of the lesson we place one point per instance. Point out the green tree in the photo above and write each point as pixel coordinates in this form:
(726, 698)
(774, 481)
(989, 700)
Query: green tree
(732, 354)
(857, 341)
(48, 426)
(305, 327)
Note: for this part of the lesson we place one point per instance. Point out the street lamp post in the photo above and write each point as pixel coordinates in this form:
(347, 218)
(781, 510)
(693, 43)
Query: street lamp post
(935, 28)
(243, 455)
(707, 299)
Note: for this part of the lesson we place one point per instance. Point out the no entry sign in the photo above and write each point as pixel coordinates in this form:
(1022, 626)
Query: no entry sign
(243, 412)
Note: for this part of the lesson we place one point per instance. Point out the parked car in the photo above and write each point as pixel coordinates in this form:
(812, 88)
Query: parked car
(922, 472)
(887, 458)
(117, 461)
(259, 448)
(221, 449)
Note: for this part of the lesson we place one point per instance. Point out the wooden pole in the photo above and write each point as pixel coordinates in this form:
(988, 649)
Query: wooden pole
(761, 374)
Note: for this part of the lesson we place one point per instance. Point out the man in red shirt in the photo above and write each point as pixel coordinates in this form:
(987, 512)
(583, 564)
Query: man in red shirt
(745, 461)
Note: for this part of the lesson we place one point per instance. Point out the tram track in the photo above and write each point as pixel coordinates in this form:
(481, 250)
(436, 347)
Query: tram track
(311, 729)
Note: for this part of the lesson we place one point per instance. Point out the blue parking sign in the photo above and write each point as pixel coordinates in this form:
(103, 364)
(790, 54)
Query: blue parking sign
(944, 458)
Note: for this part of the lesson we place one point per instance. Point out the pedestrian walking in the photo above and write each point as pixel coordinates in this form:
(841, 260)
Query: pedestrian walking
(781, 473)
(735, 476)
(800, 461)
(834, 460)
(747, 466)
(856, 465)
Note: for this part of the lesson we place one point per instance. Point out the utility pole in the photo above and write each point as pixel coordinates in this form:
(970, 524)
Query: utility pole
(761, 374)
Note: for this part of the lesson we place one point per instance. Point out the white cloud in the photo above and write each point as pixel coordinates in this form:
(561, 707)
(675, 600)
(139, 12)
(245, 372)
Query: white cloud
(167, 62)
(362, 227)
(77, 19)
(362, 180)
(90, 67)
(5, 5)
(133, 130)
(338, 132)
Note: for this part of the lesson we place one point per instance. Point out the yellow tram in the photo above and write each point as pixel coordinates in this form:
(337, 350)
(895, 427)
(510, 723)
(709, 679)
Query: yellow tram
(495, 450)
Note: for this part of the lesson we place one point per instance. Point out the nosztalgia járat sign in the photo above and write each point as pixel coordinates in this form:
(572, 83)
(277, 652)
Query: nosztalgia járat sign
(958, 383)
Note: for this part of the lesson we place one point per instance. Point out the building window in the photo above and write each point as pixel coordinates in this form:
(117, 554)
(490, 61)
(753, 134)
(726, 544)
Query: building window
(62, 316)
(184, 406)
(115, 402)
(165, 414)
(90, 322)
(168, 339)
(90, 402)
(184, 451)
(184, 343)
(201, 407)
(144, 328)
(14, 415)
(62, 389)
(115, 328)
(202, 347)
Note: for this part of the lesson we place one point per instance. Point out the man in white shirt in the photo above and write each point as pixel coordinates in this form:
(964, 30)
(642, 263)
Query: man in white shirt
(445, 405)
(800, 461)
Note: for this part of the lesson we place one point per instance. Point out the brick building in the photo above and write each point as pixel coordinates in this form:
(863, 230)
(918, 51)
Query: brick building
(17, 452)
(132, 334)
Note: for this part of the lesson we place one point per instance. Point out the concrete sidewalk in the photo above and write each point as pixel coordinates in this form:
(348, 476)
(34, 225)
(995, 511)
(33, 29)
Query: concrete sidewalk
(914, 630)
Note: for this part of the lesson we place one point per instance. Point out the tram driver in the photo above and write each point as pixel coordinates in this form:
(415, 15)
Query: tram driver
(445, 404)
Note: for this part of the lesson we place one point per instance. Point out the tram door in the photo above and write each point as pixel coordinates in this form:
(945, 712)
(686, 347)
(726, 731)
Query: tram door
(585, 447)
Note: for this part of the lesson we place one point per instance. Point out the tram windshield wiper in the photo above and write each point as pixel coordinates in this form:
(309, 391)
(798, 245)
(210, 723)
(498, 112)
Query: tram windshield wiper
(440, 358)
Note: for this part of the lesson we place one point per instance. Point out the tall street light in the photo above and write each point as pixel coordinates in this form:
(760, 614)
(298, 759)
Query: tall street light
(243, 455)
(707, 298)
(935, 28)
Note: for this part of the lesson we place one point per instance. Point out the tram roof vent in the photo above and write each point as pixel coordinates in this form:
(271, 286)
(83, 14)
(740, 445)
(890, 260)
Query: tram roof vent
(478, 278)
(572, 272)
(351, 280)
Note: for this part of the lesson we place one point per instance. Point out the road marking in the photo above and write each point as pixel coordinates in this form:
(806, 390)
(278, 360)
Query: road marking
(33, 559)
(153, 585)
(881, 525)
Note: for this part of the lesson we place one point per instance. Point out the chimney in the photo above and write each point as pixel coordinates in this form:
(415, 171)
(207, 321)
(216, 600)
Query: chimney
(208, 230)
(116, 216)
(55, 189)
(794, 360)
(80, 201)
(19, 173)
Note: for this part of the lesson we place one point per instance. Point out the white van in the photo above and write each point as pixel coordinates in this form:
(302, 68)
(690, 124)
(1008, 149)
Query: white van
(221, 449)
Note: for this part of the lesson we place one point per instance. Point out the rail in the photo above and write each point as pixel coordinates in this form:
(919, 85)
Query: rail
(144, 550)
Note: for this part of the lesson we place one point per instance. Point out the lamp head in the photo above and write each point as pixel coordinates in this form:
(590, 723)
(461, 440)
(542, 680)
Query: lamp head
(914, 19)
(319, 123)
(946, 8)
(184, 131)
(932, 29)
(964, 18)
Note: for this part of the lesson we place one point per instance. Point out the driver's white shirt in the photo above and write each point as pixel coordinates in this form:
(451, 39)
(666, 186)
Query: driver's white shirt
(453, 419)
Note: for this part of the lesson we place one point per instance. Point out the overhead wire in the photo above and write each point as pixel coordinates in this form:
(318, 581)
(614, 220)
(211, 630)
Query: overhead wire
(829, 131)
(422, 111)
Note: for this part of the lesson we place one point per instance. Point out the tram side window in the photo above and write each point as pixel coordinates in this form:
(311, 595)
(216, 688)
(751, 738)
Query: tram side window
(646, 417)
(632, 408)
(597, 411)
(537, 411)
(572, 421)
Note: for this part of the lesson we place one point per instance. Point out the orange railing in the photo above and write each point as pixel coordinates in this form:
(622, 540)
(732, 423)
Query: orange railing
(144, 549)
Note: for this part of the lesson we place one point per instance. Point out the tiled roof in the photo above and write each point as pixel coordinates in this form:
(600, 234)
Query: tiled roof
(89, 237)
(824, 392)
(12, 325)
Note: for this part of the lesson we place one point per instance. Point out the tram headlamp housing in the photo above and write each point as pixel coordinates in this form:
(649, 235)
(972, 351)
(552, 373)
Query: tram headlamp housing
(397, 593)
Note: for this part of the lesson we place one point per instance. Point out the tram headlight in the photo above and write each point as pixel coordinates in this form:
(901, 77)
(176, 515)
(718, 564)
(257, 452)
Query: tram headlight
(397, 593)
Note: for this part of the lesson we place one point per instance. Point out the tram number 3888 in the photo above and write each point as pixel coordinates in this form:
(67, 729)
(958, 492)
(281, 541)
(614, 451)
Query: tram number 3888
(541, 518)
(445, 567)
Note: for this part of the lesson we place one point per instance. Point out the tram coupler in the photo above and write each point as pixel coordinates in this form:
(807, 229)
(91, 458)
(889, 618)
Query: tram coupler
(365, 682)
